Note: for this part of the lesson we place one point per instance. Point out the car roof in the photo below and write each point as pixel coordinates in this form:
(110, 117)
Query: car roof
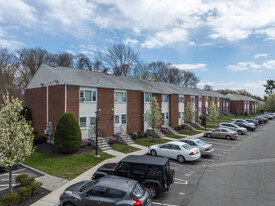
(145, 159)
(118, 182)
(176, 142)
(191, 139)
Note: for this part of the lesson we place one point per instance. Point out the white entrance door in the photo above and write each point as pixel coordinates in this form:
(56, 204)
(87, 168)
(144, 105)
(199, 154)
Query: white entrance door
(91, 127)
(163, 119)
(116, 124)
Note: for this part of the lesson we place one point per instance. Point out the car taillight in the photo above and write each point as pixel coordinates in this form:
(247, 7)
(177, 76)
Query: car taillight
(207, 149)
(165, 180)
(146, 189)
(137, 203)
(192, 153)
(235, 133)
(218, 126)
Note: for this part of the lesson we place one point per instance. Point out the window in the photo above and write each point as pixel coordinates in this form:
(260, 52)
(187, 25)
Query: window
(206, 99)
(216, 130)
(187, 146)
(165, 146)
(123, 119)
(223, 130)
(138, 191)
(182, 116)
(179, 115)
(97, 191)
(154, 170)
(200, 98)
(148, 97)
(167, 115)
(138, 169)
(87, 95)
(124, 167)
(193, 99)
(120, 97)
(175, 147)
(164, 98)
(116, 119)
(113, 193)
(181, 100)
(82, 121)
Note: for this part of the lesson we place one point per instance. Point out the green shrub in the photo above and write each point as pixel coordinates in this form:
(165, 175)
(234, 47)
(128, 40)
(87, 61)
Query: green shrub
(245, 114)
(182, 126)
(26, 113)
(20, 179)
(1, 204)
(39, 139)
(67, 137)
(203, 120)
(10, 199)
(34, 187)
(145, 134)
(24, 193)
(134, 136)
(139, 135)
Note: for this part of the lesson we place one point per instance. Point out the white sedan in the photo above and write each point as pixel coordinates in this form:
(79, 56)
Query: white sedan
(175, 150)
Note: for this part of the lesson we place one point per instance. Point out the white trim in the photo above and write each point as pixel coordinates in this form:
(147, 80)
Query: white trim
(47, 100)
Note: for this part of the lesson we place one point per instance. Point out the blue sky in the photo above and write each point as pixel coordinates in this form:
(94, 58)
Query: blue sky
(227, 44)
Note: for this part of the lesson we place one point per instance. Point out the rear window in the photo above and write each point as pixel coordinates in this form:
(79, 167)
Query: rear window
(138, 191)
(201, 142)
(154, 170)
(187, 146)
(88, 185)
(113, 193)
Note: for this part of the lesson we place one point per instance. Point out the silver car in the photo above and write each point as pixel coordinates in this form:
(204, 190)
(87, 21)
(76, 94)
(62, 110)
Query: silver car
(204, 147)
(108, 190)
(234, 127)
(243, 121)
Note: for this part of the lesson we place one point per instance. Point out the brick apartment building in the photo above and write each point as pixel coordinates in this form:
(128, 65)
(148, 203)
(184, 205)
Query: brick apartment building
(240, 104)
(122, 101)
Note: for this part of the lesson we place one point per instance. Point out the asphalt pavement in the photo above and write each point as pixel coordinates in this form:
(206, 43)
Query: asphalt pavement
(239, 173)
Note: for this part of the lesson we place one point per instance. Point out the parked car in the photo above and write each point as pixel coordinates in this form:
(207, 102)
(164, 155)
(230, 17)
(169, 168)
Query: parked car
(247, 126)
(267, 116)
(222, 133)
(175, 150)
(234, 127)
(256, 122)
(265, 120)
(204, 147)
(153, 173)
(243, 121)
(109, 190)
(260, 120)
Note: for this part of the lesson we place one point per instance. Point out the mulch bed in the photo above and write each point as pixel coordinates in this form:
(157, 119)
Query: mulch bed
(50, 150)
(41, 193)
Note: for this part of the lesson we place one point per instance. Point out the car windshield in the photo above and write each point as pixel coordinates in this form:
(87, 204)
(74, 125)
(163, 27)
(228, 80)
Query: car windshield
(138, 191)
(88, 186)
(201, 142)
(187, 146)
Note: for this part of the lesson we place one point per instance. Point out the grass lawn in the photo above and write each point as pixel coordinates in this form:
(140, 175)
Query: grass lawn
(149, 141)
(124, 148)
(187, 132)
(65, 167)
(174, 136)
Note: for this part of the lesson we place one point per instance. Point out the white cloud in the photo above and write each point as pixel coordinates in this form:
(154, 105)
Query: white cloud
(190, 66)
(243, 66)
(269, 64)
(10, 44)
(164, 38)
(260, 55)
(129, 41)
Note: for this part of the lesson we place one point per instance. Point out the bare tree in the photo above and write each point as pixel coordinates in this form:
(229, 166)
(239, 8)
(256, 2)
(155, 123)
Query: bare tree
(141, 71)
(190, 79)
(119, 58)
(83, 62)
(208, 87)
(174, 75)
(62, 60)
(158, 71)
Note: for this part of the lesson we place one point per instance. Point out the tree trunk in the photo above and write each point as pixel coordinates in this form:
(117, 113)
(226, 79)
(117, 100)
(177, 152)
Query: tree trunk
(10, 179)
(153, 134)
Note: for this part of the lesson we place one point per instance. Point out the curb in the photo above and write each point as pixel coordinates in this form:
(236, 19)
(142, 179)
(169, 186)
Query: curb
(32, 169)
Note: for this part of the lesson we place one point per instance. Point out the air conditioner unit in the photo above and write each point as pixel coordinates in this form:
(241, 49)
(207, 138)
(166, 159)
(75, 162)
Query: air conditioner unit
(81, 99)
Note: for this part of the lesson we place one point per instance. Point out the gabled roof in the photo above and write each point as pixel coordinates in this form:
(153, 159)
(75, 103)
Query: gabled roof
(47, 75)
(237, 97)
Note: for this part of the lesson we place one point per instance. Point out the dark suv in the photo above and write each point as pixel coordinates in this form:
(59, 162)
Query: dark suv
(154, 173)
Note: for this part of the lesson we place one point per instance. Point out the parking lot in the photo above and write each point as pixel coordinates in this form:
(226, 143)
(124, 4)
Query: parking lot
(4, 176)
(189, 174)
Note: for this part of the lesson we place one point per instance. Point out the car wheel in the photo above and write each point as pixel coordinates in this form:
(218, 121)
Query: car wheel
(228, 137)
(153, 191)
(180, 159)
(209, 135)
(171, 176)
(240, 132)
(68, 204)
(153, 153)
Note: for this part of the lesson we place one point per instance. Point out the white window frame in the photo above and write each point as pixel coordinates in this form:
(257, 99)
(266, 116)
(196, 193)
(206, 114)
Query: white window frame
(182, 116)
(179, 115)
(167, 115)
(164, 98)
(200, 98)
(181, 99)
(124, 97)
(116, 119)
(81, 127)
(93, 94)
(124, 121)
(149, 96)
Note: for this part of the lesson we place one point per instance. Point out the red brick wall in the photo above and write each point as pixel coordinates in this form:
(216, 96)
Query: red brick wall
(197, 108)
(105, 102)
(35, 99)
(56, 104)
(174, 109)
(73, 100)
(203, 105)
(135, 109)
(237, 107)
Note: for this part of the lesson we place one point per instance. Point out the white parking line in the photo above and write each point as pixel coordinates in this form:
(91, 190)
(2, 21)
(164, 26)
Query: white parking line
(219, 155)
(172, 163)
(181, 193)
(222, 143)
(159, 203)
(181, 183)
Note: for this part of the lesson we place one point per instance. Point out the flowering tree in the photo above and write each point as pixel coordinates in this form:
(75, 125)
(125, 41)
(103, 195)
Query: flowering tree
(213, 113)
(16, 135)
(190, 113)
(152, 116)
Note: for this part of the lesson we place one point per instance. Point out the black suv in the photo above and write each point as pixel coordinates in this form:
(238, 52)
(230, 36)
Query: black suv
(154, 173)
